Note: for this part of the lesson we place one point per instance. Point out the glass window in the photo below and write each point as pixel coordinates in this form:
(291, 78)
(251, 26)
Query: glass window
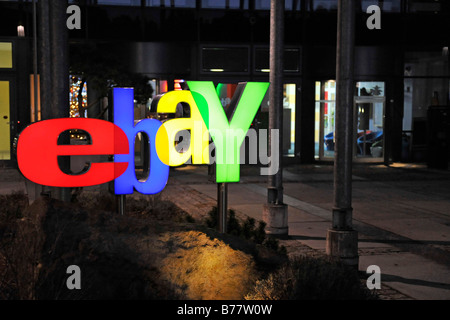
(262, 4)
(423, 64)
(6, 60)
(419, 94)
(262, 57)
(262, 118)
(384, 5)
(120, 2)
(77, 111)
(291, 60)
(157, 3)
(234, 59)
(371, 88)
(369, 119)
(184, 3)
(324, 5)
(5, 128)
(424, 5)
(289, 97)
(324, 118)
(224, 4)
(169, 3)
(426, 84)
(288, 4)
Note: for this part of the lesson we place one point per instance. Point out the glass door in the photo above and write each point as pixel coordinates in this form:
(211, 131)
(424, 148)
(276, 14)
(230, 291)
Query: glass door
(369, 108)
(325, 119)
(5, 121)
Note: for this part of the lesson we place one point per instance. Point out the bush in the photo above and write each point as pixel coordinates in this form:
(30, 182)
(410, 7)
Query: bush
(11, 208)
(11, 211)
(307, 278)
(143, 206)
(247, 229)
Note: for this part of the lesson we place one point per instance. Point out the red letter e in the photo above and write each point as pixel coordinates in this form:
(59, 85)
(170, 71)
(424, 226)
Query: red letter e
(38, 151)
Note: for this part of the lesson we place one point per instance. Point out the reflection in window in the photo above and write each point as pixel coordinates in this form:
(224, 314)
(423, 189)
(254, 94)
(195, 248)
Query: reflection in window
(77, 87)
(324, 118)
(371, 88)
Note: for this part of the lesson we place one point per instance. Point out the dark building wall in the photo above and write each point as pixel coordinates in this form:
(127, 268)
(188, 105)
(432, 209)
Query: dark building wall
(166, 42)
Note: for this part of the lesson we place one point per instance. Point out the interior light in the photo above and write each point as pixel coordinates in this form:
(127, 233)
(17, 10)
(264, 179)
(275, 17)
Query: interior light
(265, 70)
(216, 70)
(20, 31)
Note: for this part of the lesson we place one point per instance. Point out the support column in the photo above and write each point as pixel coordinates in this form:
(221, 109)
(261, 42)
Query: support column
(54, 73)
(275, 211)
(342, 240)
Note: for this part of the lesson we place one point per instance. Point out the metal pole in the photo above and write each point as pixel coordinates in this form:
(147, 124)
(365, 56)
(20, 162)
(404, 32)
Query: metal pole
(222, 196)
(344, 117)
(54, 72)
(60, 76)
(121, 204)
(342, 241)
(275, 190)
(35, 63)
(60, 59)
(275, 211)
(44, 58)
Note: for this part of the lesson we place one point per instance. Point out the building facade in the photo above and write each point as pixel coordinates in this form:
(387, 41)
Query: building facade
(402, 76)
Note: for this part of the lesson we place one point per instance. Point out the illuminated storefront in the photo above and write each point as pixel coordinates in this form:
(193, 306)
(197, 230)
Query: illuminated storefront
(368, 115)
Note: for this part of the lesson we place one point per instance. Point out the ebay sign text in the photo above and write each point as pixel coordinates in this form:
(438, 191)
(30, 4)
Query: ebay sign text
(38, 149)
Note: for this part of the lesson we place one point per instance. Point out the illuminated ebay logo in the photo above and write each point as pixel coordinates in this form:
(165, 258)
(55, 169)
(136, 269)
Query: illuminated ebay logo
(38, 150)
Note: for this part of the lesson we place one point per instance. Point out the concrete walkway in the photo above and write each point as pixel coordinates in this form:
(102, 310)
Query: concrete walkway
(401, 213)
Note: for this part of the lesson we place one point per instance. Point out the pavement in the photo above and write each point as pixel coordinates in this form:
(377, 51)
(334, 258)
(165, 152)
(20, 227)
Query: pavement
(401, 213)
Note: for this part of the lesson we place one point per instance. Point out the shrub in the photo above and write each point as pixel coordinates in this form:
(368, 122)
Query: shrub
(246, 229)
(153, 206)
(307, 278)
(11, 208)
